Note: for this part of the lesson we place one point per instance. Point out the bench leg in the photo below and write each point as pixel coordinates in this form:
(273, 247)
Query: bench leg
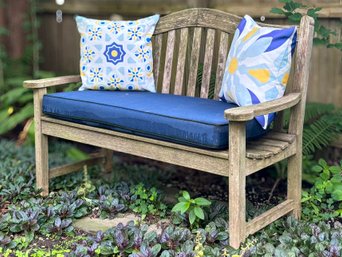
(108, 160)
(237, 210)
(294, 183)
(41, 144)
(42, 165)
(237, 183)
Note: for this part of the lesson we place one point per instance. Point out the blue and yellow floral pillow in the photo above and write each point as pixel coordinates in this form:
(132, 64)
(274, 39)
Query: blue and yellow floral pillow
(117, 55)
(258, 65)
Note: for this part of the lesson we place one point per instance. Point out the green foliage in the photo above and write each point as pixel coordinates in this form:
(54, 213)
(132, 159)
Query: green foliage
(322, 125)
(192, 207)
(293, 238)
(28, 216)
(293, 11)
(146, 201)
(324, 200)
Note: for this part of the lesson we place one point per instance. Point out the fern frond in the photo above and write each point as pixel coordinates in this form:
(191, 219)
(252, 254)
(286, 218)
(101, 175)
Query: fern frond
(314, 111)
(321, 132)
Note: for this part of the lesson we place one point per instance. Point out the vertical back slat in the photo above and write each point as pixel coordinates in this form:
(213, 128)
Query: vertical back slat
(208, 61)
(156, 58)
(168, 61)
(221, 62)
(181, 61)
(195, 53)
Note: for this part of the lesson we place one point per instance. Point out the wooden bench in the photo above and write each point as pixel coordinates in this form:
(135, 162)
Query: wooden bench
(183, 43)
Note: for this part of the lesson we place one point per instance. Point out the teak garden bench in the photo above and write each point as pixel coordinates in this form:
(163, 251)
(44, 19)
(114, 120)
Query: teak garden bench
(181, 41)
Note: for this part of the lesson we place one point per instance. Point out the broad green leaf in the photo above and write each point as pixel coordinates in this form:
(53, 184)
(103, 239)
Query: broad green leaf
(199, 212)
(192, 217)
(322, 162)
(202, 201)
(335, 169)
(156, 249)
(337, 195)
(295, 17)
(165, 253)
(317, 168)
(186, 195)
(181, 207)
(16, 118)
(277, 11)
(12, 96)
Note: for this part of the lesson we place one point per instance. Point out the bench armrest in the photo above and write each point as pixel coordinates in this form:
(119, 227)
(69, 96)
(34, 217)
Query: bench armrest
(50, 82)
(246, 113)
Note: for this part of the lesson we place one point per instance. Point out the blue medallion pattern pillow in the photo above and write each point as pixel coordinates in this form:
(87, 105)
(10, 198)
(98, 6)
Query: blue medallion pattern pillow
(117, 55)
(258, 65)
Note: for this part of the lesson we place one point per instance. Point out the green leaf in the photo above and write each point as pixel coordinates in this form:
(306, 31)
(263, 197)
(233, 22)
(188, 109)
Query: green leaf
(186, 195)
(317, 168)
(181, 207)
(320, 41)
(323, 163)
(313, 12)
(335, 169)
(16, 118)
(337, 195)
(156, 249)
(295, 17)
(277, 11)
(199, 212)
(192, 217)
(202, 201)
(165, 253)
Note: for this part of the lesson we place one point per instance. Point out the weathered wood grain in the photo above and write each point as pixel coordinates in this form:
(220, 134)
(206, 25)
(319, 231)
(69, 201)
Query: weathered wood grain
(249, 112)
(256, 163)
(208, 61)
(170, 47)
(116, 142)
(237, 183)
(41, 144)
(107, 165)
(183, 44)
(300, 84)
(269, 216)
(221, 62)
(195, 52)
(50, 82)
(157, 51)
(69, 168)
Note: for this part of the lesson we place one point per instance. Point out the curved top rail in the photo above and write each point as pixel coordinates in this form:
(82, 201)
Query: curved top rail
(201, 17)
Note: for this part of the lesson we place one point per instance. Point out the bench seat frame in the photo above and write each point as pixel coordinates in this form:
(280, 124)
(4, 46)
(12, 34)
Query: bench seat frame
(239, 161)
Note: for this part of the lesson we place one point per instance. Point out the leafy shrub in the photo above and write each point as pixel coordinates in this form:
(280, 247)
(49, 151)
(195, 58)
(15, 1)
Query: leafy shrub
(291, 10)
(192, 207)
(324, 199)
(294, 238)
(146, 201)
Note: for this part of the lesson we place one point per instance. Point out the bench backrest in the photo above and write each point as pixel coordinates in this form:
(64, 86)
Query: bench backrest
(189, 43)
(195, 42)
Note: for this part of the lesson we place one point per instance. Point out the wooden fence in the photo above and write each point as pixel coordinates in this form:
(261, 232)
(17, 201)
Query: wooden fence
(61, 40)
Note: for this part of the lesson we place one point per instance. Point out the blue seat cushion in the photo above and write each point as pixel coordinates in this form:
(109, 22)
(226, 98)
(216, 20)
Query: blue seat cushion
(180, 119)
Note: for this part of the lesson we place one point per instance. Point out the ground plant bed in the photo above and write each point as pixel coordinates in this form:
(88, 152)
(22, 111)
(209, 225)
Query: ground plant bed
(31, 225)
